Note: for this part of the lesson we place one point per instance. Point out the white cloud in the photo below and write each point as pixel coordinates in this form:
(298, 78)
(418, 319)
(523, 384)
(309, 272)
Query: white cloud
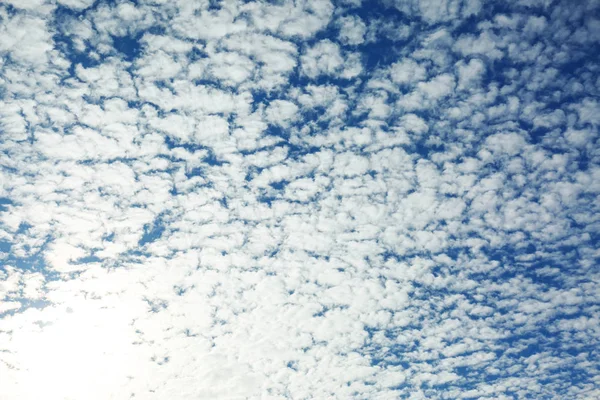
(158, 66)
(274, 58)
(484, 44)
(352, 30)
(407, 72)
(427, 94)
(324, 58)
(509, 143)
(436, 11)
(27, 4)
(26, 40)
(588, 111)
(76, 4)
(470, 74)
(293, 19)
(281, 112)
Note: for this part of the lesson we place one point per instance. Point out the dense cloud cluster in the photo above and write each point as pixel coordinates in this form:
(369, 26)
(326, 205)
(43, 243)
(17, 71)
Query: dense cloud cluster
(299, 199)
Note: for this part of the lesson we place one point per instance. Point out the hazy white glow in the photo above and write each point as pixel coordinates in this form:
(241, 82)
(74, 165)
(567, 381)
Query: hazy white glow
(79, 351)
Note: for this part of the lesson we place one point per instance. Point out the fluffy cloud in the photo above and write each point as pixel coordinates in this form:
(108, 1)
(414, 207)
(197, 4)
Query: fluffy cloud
(326, 58)
(352, 30)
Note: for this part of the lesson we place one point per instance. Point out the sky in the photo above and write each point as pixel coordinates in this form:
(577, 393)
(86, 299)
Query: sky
(394, 199)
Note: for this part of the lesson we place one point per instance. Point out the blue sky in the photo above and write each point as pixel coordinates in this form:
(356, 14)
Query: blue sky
(299, 200)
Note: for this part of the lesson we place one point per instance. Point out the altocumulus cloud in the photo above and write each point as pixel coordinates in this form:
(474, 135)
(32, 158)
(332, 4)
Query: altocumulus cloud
(299, 199)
